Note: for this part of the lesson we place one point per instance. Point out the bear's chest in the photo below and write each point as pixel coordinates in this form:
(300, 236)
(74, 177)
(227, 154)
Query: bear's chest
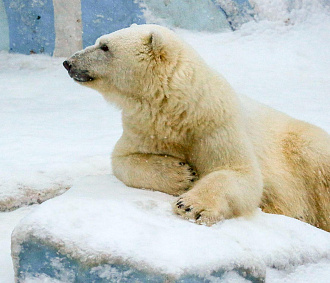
(158, 134)
(161, 144)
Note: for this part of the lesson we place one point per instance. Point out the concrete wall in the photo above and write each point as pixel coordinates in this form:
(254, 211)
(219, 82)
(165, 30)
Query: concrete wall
(4, 29)
(61, 27)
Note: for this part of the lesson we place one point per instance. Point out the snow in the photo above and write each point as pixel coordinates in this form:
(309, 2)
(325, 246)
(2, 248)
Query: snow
(54, 132)
(289, 11)
(138, 227)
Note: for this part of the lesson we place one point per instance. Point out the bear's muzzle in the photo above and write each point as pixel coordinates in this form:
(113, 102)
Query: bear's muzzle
(76, 74)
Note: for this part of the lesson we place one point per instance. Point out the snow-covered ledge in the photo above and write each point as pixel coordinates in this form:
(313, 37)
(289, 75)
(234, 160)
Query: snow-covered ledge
(104, 231)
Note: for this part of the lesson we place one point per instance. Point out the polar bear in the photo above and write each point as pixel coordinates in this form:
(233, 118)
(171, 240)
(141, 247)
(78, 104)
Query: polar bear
(187, 133)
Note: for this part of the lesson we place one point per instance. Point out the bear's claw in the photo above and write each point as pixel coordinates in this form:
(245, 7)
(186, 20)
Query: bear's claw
(197, 212)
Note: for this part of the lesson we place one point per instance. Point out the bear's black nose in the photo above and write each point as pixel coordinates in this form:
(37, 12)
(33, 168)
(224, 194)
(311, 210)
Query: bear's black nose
(67, 65)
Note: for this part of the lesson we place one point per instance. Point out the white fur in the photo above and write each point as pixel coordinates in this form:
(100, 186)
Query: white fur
(181, 117)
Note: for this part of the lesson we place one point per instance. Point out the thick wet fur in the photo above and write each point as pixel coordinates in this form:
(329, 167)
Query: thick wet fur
(187, 133)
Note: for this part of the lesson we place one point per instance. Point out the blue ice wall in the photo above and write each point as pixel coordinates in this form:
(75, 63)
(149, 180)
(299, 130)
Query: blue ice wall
(28, 26)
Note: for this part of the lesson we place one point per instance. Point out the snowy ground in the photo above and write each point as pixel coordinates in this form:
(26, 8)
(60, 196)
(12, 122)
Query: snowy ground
(101, 220)
(53, 131)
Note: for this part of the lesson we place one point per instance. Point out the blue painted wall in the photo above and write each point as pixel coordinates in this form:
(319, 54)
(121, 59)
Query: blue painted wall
(200, 15)
(32, 28)
(102, 17)
(4, 29)
(38, 258)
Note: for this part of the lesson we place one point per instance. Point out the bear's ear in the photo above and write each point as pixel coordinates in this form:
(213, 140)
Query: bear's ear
(156, 45)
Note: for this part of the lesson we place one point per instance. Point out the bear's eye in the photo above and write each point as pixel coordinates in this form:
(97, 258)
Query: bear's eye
(104, 48)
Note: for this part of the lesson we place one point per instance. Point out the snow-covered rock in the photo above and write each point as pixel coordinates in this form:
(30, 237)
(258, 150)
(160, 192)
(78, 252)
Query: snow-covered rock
(104, 231)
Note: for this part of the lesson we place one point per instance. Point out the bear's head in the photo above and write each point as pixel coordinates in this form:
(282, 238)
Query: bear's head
(136, 63)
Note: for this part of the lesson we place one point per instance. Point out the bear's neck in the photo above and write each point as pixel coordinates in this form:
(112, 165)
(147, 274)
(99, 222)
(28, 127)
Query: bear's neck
(178, 116)
(161, 119)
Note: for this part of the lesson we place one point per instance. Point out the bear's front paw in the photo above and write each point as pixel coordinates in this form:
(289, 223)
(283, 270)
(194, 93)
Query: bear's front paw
(201, 210)
(181, 177)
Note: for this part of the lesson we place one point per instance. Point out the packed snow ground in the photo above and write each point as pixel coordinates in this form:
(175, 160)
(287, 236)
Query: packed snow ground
(53, 131)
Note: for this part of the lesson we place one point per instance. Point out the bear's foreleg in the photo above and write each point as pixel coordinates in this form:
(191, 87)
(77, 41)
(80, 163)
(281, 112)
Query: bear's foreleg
(155, 172)
(220, 195)
(230, 182)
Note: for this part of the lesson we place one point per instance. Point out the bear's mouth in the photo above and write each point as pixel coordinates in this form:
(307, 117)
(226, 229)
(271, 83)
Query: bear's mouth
(80, 76)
